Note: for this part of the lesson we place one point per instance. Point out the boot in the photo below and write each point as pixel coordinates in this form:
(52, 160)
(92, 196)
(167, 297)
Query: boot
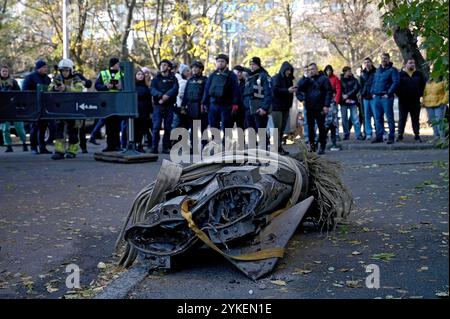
(25, 147)
(9, 149)
(57, 156)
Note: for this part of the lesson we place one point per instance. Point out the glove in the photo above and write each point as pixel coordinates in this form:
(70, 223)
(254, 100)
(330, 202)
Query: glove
(234, 108)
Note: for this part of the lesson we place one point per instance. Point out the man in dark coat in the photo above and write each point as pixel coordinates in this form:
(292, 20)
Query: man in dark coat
(221, 97)
(316, 93)
(164, 89)
(37, 130)
(409, 91)
(258, 97)
(384, 86)
(283, 95)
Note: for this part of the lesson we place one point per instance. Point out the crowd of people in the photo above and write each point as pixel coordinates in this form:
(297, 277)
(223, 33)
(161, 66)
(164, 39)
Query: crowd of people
(245, 97)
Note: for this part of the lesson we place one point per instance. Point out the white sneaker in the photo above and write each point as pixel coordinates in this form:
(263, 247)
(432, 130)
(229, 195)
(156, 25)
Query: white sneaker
(368, 137)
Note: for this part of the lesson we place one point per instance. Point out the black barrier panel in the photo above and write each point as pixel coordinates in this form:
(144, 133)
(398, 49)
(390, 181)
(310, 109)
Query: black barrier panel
(88, 105)
(18, 106)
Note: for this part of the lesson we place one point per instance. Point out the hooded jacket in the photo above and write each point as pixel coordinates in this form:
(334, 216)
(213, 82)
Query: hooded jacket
(336, 87)
(385, 81)
(282, 99)
(315, 92)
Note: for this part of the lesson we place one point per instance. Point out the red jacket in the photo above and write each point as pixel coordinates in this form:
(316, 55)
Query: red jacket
(336, 85)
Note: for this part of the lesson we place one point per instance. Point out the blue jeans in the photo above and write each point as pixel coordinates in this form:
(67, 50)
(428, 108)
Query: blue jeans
(305, 126)
(160, 114)
(382, 106)
(369, 112)
(355, 119)
(436, 114)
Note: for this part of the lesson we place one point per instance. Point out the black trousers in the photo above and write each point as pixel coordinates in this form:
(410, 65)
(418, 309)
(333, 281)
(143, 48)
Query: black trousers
(413, 108)
(37, 134)
(112, 124)
(316, 116)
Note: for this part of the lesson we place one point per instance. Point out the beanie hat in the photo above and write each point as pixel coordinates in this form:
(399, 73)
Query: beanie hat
(239, 68)
(256, 60)
(224, 57)
(183, 68)
(169, 63)
(40, 64)
(198, 64)
(113, 62)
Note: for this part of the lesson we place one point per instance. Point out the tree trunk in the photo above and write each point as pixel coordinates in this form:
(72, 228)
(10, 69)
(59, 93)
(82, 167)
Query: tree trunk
(407, 44)
(126, 33)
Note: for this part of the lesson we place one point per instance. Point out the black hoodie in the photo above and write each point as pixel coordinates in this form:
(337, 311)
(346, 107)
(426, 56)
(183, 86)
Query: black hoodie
(282, 99)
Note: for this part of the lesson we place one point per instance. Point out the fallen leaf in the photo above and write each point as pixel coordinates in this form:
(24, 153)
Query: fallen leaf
(356, 253)
(299, 271)
(442, 294)
(101, 265)
(278, 282)
(384, 256)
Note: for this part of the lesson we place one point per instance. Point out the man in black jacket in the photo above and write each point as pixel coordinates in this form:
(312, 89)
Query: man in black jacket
(283, 96)
(192, 101)
(349, 100)
(365, 81)
(37, 130)
(409, 91)
(164, 89)
(258, 97)
(316, 93)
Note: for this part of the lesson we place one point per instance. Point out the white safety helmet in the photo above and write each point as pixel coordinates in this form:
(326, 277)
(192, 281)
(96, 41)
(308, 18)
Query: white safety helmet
(66, 63)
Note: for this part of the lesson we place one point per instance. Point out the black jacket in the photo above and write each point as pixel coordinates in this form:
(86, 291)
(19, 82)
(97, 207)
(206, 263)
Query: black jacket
(32, 80)
(411, 88)
(9, 84)
(349, 87)
(366, 81)
(282, 98)
(164, 85)
(144, 100)
(315, 92)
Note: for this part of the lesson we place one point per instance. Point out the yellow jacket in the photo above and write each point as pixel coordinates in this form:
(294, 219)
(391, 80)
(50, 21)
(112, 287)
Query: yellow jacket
(435, 94)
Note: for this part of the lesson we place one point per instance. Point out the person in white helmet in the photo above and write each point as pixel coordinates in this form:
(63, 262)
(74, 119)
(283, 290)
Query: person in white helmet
(66, 81)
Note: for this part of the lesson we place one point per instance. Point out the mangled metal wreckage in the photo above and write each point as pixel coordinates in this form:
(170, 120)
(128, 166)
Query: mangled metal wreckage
(240, 209)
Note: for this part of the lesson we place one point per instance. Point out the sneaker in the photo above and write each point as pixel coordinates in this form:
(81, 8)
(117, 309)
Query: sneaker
(34, 151)
(70, 155)
(346, 138)
(109, 149)
(417, 139)
(390, 141)
(154, 150)
(368, 137)
(44, 151)
(312, 148)
(84, 151)
(9, 149)
(321, 151)
(166, 151)
(335, 148)
(57, 156)
(25, 147)
(399, 138)
(360, 138)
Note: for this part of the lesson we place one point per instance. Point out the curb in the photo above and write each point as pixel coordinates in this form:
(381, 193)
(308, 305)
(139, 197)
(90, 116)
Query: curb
(120, 287)
(418, 146)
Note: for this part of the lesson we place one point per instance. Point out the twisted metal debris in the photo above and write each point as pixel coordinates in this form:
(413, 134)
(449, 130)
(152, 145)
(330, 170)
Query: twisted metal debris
(234, 205)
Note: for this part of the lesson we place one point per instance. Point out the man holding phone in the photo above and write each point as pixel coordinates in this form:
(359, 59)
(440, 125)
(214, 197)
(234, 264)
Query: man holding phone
(110, 80)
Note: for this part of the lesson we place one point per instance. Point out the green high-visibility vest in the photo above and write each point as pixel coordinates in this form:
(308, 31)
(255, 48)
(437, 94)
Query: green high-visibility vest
(106, 77)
